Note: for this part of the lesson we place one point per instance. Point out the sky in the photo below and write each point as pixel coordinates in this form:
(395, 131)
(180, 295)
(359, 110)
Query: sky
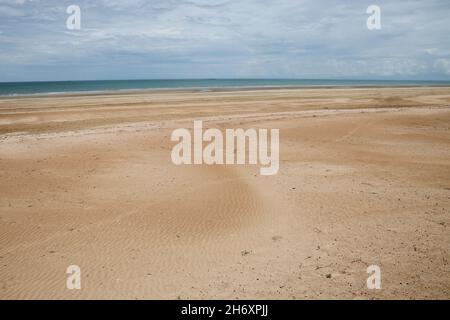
(172, 39)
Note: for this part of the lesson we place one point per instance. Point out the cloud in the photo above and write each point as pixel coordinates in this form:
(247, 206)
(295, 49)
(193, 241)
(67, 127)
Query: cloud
(224, 38)
(442, 66)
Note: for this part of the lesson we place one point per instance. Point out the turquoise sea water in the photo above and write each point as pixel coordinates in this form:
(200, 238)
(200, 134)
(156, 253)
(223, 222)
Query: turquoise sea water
(25, 88)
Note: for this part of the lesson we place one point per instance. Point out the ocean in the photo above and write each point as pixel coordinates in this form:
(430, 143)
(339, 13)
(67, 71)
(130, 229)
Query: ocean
(54, 87)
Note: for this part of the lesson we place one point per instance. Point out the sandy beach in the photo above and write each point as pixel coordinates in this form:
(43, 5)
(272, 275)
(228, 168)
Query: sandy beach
(364, 179)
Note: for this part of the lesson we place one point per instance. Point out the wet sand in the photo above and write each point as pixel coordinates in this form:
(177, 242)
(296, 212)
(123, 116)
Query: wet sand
(364, 179)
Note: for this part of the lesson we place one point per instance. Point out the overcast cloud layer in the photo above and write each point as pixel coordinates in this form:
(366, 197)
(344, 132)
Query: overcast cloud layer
(138, 39)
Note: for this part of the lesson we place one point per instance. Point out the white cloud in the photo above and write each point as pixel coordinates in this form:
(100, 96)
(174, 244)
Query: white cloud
(252, 38)
(442, 65)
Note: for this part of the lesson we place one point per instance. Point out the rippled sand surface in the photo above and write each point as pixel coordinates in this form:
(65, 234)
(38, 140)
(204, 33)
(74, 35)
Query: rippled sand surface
(364, 180)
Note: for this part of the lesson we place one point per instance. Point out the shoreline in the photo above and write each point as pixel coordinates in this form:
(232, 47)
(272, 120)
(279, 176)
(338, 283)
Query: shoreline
(211, 89)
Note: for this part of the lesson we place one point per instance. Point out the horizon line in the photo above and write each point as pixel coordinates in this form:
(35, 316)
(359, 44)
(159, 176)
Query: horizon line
(222, 79)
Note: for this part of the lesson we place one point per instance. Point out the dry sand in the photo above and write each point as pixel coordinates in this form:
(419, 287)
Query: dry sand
(364, 180)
